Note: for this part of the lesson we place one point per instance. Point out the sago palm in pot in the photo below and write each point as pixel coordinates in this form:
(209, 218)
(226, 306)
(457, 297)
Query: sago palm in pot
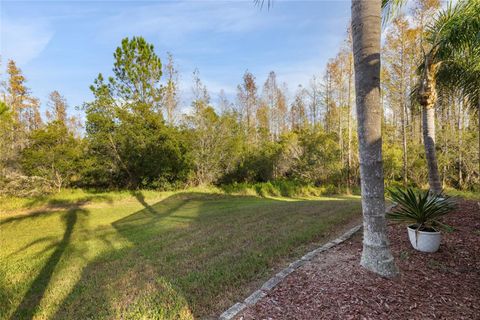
(422, 211)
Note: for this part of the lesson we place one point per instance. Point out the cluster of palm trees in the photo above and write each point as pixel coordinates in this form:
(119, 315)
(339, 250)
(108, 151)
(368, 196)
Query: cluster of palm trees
(451, 58)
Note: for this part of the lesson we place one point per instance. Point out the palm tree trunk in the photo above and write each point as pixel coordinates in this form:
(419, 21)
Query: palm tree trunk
(349, 115)
(366, 30)
(428, 113)
(460, 144)
(478, 116)
(404, 145)
(445, 140)
(427, 99)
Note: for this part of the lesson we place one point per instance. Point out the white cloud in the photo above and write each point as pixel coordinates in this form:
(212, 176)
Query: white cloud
(23, 40)
(174, 22)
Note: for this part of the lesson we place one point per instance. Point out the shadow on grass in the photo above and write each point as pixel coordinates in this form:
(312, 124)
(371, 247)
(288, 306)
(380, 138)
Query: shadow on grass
(31, 300)
(141, 198)
(65, 203)
(35, 242)
(112, 285)
(53, 206)
(30, 216)
(192, 254)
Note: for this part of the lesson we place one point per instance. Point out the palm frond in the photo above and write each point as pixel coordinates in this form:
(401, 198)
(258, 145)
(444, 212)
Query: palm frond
(455, 30)
(390, 9)
(261, 3)
(422, 208)
(454, 37)
(464, 75)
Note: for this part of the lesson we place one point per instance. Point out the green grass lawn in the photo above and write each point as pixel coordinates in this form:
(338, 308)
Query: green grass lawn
(152, 255)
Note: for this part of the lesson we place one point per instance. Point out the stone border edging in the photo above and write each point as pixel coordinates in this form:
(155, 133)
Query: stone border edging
(234, 310)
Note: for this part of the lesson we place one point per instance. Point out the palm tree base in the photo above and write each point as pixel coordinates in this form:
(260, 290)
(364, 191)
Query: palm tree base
(379, 260)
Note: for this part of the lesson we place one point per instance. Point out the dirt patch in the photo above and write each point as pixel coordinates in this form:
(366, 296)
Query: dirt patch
(441, 285)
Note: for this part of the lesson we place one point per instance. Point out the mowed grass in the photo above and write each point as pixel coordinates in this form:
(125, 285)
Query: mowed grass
(154, 255)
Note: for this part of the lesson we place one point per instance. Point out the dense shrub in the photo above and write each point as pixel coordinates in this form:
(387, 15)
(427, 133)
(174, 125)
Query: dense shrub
(53, 155)
(284, 188)
(17, 185)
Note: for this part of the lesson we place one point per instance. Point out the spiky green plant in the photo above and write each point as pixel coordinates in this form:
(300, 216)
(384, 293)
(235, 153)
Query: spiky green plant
(424, 209)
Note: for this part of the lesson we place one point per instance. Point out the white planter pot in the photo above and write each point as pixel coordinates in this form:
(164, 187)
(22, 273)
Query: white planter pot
(423, 240)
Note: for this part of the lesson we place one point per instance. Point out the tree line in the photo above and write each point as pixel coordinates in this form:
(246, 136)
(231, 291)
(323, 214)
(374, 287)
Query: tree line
(136, 136)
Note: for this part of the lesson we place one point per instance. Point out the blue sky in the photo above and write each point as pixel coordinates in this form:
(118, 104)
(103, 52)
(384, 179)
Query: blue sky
(63, 45)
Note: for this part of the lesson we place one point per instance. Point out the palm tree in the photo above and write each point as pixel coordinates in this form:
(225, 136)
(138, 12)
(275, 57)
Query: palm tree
(460, 67)
(453, 59)
(366, 36)
(454, 34)
(427, 97)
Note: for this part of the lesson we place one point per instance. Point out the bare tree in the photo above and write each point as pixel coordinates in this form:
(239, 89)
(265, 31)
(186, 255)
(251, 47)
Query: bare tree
(171, 90)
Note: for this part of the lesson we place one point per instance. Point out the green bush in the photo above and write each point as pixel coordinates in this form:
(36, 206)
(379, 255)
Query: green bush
(284, 188)
(265, 189)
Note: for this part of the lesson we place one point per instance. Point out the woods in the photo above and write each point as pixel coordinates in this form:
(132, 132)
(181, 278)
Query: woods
(138, 133)
(144, 186)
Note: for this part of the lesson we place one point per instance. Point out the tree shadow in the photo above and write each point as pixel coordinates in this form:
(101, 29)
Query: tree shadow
(65, 203)
(150, 214)
(93, 297)
(188, 255)
(141, 198)
(30, 216)
(31, 300)
(53, 206)
(35, 242)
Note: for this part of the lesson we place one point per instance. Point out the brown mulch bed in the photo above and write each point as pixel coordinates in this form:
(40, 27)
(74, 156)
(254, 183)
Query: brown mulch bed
(441, 285)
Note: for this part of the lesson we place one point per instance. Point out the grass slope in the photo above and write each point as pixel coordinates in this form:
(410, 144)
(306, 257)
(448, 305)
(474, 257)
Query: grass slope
(153, 255)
